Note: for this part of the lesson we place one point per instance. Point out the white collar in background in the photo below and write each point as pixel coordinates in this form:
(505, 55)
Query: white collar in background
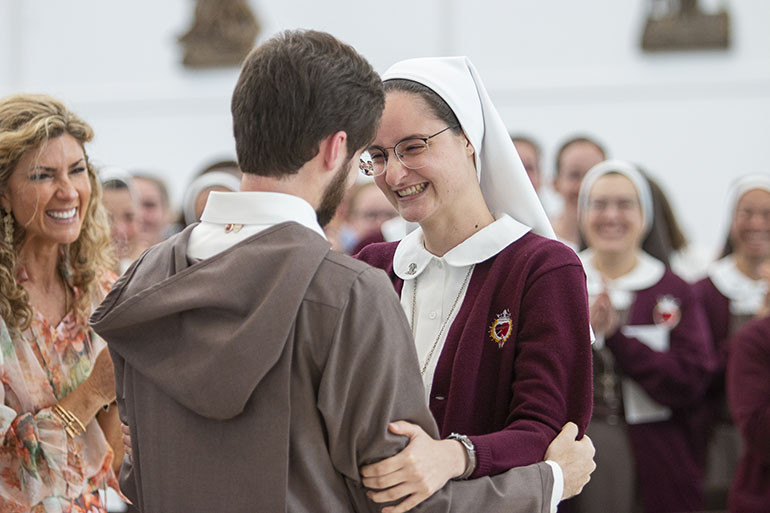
(261, 208)
(411, 257)
(745, 294)
(647, 272)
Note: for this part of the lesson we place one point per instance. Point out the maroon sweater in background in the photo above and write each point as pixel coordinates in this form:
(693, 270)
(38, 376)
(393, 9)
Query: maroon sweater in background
(748, 392)
(513, 400)
(372, 238)
(669, 474)
(717, 308)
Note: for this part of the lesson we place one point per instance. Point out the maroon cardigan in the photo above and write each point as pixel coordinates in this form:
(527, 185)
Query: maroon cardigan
(748, 391)
(512, 400)
(717, 308)
(669, 474)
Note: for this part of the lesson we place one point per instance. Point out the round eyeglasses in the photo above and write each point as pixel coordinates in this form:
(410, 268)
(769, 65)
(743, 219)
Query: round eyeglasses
(413, 153)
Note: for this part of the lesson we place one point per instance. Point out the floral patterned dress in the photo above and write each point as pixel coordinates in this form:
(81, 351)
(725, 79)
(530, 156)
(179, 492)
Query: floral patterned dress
(42, 470)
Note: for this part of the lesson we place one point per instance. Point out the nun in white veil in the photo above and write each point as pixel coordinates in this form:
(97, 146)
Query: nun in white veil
(498, 308)
(735, 291)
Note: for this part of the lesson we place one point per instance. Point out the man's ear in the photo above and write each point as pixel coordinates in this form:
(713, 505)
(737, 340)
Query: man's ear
(334, 150)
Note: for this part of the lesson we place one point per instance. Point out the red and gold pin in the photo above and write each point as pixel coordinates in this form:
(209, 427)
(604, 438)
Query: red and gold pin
(500, 330)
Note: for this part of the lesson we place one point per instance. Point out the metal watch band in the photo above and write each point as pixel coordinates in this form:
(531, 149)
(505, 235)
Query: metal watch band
(471, 451)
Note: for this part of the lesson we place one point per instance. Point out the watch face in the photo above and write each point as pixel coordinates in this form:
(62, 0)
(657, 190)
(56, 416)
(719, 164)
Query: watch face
(463, 440)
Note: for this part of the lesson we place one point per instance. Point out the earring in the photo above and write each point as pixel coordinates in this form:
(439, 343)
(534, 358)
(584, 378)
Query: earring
(8, 227)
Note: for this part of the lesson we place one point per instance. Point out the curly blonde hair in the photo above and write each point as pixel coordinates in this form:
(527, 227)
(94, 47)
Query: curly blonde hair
(26, 121)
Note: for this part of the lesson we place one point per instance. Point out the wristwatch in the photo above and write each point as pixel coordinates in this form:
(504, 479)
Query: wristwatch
(471, 450)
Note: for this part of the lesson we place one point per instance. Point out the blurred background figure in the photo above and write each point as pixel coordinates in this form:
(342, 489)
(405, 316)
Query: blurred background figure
(368, 209)
(154, 218)
(529, 152)
(222, 176)
(573, 160)
(119, 201)
(339, 233)
(686, 260)
(748, 392)
(652, 357)
(734, 292)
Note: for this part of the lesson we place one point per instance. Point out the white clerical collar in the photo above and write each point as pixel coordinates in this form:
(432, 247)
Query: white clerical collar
(257, 207)
(411, 257)
(647, 272)
(745, 294)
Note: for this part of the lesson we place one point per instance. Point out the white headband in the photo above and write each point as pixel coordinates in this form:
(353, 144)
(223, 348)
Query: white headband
(204, 181)
(117, 174)
(628, 170)
(504, 181)
(743, 185)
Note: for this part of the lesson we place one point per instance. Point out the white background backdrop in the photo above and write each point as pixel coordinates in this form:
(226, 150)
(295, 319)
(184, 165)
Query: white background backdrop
(554, 68)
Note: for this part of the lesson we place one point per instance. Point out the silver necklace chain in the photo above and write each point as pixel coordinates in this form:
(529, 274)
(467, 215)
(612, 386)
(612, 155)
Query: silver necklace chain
(443, 325)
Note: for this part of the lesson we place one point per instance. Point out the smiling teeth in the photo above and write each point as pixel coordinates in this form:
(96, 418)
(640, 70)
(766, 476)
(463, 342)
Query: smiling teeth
(63, 215)
(411, 191)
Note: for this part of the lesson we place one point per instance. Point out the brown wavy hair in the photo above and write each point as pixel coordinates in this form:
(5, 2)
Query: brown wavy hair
(26, 121)
(296, 89)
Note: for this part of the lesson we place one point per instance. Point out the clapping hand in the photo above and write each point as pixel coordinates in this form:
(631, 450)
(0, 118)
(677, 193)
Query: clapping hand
(604, 317)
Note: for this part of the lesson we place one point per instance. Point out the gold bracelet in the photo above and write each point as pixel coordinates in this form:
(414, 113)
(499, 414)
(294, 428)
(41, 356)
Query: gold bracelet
(72, 424)
(62, 418)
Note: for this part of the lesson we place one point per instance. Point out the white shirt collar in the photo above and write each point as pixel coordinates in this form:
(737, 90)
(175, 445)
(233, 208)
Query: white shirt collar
(261, 208)
(647, 272)
(745, 294)
(411, 257)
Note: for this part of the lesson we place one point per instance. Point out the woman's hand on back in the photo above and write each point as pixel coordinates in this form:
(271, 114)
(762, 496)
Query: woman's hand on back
(415, 473)
(97, 391)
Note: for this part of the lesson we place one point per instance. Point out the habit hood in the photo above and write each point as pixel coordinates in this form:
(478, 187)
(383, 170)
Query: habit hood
(191, 341)
(191, 331)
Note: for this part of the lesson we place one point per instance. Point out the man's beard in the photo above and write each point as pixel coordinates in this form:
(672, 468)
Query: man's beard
(333, 195)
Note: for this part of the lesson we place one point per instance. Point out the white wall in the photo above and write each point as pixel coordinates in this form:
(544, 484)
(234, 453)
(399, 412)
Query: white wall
(554, 68)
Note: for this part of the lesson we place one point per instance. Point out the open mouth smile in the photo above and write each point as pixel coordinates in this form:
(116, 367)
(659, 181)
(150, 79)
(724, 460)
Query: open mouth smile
(411, 191)
(63, 215)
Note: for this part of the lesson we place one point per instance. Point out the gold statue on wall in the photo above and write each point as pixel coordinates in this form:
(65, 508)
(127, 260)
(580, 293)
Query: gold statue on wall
(222, 34)
(682, 25)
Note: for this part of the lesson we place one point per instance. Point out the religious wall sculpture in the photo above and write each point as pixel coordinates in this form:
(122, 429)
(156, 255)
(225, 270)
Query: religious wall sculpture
(682, 25)
(222, 34)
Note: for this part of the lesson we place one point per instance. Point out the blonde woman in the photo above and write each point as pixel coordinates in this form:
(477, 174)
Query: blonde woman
(54, 256)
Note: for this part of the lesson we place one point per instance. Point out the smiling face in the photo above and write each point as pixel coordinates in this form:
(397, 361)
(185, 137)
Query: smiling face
(49, 191)
(421, 195)
(750, 230)
(613, 222)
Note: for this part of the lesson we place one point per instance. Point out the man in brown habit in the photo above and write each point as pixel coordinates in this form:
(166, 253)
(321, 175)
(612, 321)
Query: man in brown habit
(257, 369)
